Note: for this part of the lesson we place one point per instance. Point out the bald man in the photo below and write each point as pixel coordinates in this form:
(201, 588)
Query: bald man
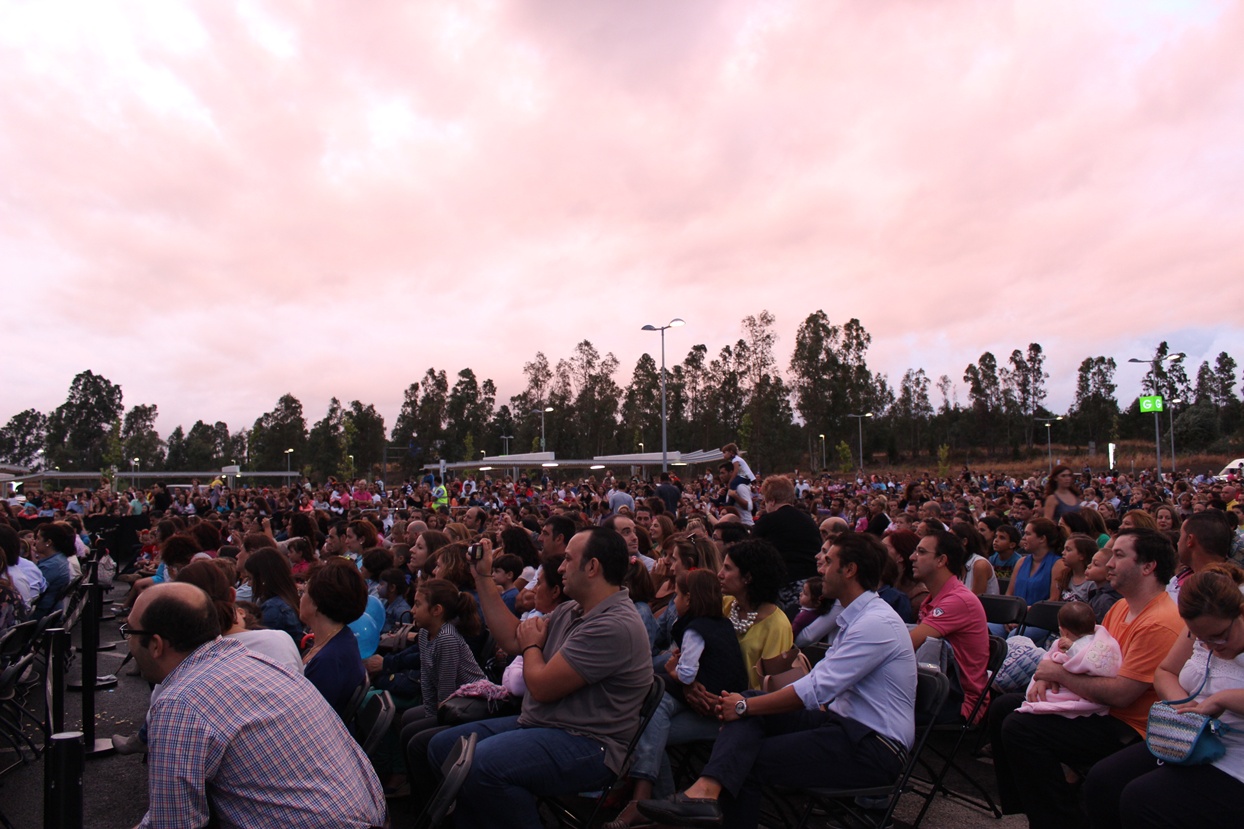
(222, 748)
(832, 526)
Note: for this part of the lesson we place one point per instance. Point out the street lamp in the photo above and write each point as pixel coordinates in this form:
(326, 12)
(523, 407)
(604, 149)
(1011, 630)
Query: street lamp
(542, 413)
(1157, 422)
(641, 447)
(506, 441)
(133, 472)
(1048, 450)
(822, 453)
(674, 323)
(859, 421)
(1173, 471)
(288, 452)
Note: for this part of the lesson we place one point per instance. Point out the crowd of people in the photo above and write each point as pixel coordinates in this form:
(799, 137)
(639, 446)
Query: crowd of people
(558, 603)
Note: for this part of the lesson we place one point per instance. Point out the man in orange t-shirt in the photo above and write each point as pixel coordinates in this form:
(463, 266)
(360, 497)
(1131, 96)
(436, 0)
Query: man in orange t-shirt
(1029, 749)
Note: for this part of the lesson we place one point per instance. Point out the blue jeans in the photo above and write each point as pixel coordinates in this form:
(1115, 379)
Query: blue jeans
(673, 723)
(514, 765)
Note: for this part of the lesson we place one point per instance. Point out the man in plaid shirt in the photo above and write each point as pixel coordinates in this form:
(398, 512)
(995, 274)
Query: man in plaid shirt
(234, 737)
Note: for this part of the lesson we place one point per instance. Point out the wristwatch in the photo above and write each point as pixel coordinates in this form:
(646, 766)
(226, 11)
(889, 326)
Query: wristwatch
(740, 708)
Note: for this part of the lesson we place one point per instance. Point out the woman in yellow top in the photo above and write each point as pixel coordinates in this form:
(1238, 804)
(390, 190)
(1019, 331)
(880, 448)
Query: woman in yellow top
(751, 577)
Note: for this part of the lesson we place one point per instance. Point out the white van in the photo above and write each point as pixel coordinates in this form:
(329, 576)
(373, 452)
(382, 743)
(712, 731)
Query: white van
(1236, 467)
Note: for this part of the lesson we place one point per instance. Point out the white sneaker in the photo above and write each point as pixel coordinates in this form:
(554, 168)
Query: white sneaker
(132, 744)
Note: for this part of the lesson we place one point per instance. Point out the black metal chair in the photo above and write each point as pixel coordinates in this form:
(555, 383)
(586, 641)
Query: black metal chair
(932, 688)
(374, 720)
(1004, 610)
(562, 809)
(454, 772)
(997, 655)
(11, 710)
(1042, 616)
(350, 714)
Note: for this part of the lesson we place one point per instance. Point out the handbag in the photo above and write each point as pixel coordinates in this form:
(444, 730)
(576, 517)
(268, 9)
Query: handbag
(776, 672)
(1182, 738)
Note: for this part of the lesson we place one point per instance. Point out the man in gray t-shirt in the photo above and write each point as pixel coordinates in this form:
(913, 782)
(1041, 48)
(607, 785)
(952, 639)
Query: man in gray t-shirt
(587, 670)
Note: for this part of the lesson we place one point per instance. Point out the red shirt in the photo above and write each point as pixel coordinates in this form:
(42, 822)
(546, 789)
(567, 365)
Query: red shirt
(959, 618)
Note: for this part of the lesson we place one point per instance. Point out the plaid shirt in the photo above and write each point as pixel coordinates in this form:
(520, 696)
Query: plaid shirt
(262, 740)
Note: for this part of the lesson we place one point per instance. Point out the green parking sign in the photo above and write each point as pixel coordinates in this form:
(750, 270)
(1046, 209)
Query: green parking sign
(1152, 403)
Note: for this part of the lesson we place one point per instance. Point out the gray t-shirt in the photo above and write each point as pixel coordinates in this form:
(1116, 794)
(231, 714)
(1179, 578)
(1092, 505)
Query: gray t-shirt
(608, 647)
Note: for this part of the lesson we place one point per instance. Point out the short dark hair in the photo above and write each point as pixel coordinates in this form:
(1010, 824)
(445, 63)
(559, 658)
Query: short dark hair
(867, 553)
(183, 623)
(551, 572)
(376, 561)
(1153, 546)
(510, 563)
(560, 525)
(1212, 532)
(609, 548)
(338, 591)
(950, 546)
(732, 532)
(760, 560)
(58, 534)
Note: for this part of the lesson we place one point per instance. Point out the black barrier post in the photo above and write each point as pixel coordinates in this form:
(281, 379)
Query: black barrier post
(58, 657)
(90, 682)
(62, 782)
(90, 647)
(97, 595)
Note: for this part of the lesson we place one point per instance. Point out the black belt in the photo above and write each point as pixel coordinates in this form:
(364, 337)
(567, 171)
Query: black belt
(894, 748)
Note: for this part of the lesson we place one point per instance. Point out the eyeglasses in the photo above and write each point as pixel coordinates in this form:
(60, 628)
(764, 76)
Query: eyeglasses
(1222, 638)
(126, 631)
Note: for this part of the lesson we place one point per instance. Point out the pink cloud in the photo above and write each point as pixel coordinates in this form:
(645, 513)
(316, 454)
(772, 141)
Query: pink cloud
(213, 208)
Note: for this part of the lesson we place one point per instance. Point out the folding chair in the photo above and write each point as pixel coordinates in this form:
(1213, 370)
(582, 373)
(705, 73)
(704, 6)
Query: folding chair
(1004, 610)
(454, 772)
(374, 720)
(997, 655)
(354, 707)
(560, 807)
(932, 688)
(11, 709)
(1042, 616)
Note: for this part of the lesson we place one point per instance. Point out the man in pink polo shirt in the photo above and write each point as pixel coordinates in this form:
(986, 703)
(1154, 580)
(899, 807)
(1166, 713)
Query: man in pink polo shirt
(953, 613)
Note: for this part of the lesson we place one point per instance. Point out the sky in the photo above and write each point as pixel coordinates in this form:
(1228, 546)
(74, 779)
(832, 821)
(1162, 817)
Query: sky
(216, 203)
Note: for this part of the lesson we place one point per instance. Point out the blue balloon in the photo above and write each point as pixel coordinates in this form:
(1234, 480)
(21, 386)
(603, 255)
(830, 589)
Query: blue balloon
(367, 633)
(375, 609)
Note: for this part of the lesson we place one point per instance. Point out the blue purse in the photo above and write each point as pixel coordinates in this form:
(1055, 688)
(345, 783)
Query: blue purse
(1184, 739)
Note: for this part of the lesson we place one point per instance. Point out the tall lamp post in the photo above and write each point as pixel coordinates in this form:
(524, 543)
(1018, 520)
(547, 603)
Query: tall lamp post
(674, 323)
(1049, 451)
(543, 411)
(859, 420)
(822, 437)
(505, 440)
(1174, 471)
(1157, 421)
(288, 452)
(134, 472)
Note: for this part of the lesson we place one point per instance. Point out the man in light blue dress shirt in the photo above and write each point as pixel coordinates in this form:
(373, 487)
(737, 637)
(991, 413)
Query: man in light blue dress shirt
(867, 682)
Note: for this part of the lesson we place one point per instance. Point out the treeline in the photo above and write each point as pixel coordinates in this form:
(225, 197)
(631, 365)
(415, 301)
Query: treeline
(741, 393)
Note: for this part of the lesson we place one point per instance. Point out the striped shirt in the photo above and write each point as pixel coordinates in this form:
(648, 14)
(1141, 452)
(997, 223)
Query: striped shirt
(446, 664)
(262, 739)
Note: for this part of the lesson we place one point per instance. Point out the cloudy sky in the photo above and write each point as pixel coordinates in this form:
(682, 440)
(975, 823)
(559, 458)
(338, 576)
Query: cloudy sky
(213, 203)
